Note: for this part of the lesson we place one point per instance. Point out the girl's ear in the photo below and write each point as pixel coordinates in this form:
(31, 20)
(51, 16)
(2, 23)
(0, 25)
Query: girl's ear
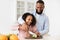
(43, 7)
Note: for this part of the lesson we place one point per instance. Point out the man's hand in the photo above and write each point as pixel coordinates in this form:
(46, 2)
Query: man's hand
(38, 34)
(23, 27)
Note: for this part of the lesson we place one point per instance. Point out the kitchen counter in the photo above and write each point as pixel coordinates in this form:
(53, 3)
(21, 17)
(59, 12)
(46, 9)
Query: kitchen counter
(46, 37)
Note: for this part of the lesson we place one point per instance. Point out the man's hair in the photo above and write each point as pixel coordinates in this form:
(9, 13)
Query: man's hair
(40, 1)
(29, 14)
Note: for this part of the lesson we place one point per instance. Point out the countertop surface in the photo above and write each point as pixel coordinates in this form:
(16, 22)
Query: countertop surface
(46, 37)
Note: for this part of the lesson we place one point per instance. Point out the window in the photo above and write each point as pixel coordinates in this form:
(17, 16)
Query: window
(24, 6)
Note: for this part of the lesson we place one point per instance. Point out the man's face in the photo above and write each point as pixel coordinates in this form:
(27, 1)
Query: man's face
(39, 7)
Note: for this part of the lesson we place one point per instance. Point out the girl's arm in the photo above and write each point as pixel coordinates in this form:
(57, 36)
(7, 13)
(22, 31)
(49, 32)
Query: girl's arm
(36, 31)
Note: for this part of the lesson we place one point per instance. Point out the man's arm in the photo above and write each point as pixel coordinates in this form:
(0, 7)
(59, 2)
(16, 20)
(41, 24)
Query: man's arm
(45, 27)
(20, 20)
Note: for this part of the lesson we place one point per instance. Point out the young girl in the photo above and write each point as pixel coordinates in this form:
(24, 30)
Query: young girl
(28, 25)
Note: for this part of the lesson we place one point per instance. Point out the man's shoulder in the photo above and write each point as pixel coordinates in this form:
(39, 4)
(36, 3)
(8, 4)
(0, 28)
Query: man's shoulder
(20, 20)
(45, 16)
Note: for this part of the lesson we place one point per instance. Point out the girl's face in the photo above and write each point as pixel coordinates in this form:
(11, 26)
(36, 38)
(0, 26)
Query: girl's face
(29, 19)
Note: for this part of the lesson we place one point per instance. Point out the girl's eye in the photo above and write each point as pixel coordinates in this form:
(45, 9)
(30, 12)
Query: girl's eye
(28, 19)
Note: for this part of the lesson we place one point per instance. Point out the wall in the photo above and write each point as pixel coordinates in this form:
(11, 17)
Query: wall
(52, 9)
(7, 15)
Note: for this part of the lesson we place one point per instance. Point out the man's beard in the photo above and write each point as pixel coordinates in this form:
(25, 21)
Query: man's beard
(39, 12)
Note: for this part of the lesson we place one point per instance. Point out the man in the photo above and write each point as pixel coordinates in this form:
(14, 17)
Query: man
(42, 20)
